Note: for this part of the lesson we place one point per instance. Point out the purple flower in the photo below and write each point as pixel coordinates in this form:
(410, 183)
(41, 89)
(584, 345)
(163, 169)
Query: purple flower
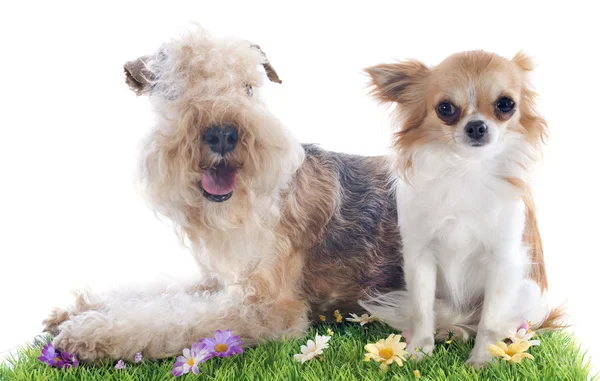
(120, 365)
(69, 360)
(138, 357)
(51, 357)
(223, 344)
(191, 359)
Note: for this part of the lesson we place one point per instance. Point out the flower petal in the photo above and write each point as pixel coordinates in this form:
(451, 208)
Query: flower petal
(209, 342)
(520, 356)
(177, 372)
(519, 346)
(524, 326)
(371, 348)
(389, 340)
(495, 350)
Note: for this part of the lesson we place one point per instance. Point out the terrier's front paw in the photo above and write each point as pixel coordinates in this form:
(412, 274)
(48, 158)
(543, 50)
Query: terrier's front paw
(84, 301)
(87, 335)
(56, 317)
(479, 359)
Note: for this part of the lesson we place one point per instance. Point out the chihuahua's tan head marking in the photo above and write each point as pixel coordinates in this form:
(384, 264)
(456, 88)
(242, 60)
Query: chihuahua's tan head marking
(467, 103)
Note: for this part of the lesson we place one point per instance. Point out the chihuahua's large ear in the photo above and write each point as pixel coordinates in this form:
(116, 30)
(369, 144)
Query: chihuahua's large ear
(523, 61)
(398, 82)
(269, 70)
(137, 75)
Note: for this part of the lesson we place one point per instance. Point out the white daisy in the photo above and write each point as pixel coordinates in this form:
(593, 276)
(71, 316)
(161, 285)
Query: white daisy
(522, 334)
(363, 319)
(312, 348)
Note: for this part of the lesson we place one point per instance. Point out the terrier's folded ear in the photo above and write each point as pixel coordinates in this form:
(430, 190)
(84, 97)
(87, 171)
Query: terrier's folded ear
(137, 75)
(269, 70)
(140, 78)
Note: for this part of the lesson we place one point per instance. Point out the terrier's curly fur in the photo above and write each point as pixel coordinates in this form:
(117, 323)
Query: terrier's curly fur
(293, 231)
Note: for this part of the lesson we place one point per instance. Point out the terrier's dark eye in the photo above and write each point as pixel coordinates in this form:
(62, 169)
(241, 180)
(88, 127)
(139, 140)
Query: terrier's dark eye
(447, 112)
(249, 90)
(505, 105)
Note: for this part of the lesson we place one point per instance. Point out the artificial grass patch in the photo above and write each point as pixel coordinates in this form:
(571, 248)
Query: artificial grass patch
(558, 358)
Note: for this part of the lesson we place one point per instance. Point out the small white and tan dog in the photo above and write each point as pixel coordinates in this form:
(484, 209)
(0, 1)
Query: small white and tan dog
(468, 137)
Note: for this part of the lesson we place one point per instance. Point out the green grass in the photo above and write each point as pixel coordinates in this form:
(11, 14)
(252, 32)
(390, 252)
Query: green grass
(558, 358)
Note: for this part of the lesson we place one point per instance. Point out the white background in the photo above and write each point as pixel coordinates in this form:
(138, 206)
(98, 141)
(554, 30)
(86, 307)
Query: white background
(70, 215)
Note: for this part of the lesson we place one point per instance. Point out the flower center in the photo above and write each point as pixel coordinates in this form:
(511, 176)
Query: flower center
(386, 353)
(57, 359)
(221, 348)
(190, 362)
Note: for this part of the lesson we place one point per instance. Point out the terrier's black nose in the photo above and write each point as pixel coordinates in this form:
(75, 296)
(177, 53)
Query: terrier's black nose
(476, 129)
(221, 139)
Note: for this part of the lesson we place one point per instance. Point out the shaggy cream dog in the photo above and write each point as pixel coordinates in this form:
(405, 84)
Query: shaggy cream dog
(281, 232)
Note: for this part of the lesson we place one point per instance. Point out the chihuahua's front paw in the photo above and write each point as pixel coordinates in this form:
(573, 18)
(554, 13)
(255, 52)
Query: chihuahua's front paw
(418, 348)
(479, 359)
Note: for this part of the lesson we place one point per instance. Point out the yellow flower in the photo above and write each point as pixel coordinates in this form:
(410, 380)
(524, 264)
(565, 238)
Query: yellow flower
(330, 332)
(386, 351)
(322, 318)
(514, 352)
(448, 341)
(417, 374)
(338, 316)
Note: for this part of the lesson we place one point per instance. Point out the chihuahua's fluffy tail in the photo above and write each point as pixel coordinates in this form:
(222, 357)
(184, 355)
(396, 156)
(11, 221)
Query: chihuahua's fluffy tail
(461, 323)
(394, 310)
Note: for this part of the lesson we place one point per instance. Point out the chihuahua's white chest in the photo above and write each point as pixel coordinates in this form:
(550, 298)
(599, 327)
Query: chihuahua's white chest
(458, 210)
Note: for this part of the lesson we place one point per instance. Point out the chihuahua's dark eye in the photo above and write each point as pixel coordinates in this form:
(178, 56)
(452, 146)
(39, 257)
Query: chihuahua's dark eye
(446, 109)
(504, 108)
(447, 112)
(505, 105)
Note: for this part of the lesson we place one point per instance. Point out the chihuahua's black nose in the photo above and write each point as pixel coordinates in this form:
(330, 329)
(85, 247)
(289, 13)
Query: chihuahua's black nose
(476, 129)
(221, 139)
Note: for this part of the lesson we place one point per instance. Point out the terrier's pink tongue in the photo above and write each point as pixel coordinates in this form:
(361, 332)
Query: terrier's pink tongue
(218, 181)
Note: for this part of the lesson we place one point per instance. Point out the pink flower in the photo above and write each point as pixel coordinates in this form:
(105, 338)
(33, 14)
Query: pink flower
(120, 365)
(524, 325)
(523, 333)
